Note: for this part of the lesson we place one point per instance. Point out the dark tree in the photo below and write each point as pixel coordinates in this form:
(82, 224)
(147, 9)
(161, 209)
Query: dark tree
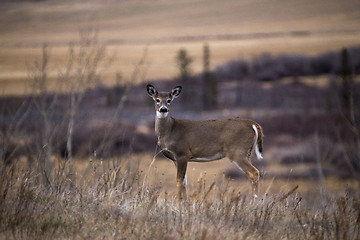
(209, 82)
(183, 61)
(346, 81)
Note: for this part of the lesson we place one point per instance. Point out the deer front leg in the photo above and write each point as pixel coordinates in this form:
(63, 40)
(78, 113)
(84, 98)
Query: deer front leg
(181, 165)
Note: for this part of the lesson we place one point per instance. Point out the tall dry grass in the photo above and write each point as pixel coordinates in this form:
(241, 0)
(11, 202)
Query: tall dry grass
(108, 200)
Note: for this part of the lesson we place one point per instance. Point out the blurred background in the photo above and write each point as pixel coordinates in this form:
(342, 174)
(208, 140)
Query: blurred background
(73, 77)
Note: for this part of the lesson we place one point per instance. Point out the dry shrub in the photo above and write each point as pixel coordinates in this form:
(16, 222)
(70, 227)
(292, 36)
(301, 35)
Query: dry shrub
(108, 200)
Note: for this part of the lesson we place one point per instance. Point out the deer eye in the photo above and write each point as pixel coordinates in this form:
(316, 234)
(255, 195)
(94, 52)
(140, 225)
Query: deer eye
(169, 101)
(158, 100)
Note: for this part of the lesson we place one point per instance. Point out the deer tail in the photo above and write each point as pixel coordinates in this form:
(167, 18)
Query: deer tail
(258, 143)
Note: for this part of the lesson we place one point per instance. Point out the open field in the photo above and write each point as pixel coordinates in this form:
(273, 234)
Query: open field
(160, 58)
(77, 143)
(277, 178)
(112, 200)
(246, 30)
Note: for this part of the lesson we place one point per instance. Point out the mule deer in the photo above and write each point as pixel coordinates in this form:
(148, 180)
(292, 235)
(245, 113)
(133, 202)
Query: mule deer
(185, 141)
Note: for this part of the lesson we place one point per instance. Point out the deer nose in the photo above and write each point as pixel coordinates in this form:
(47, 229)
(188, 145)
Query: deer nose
(163, 109)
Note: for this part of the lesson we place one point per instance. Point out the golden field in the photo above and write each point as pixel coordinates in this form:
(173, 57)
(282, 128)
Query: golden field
(233, 29)
(110, 185)
(113, 201)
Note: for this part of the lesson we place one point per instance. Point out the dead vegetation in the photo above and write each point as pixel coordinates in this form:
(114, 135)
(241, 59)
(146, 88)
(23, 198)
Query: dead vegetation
(307, 135)
(109, 201)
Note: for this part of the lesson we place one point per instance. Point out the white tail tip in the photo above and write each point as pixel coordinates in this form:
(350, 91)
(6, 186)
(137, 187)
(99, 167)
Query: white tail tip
(257, 152)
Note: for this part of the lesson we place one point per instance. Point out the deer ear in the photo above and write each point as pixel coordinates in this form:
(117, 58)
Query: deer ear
(176, 91)
(151, 90)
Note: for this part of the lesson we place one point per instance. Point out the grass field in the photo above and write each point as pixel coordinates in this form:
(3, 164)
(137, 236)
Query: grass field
(309, 186)
(233, 29)
(112, 200)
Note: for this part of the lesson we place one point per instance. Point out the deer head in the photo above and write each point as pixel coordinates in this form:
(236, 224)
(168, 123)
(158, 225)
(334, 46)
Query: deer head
(163, 99)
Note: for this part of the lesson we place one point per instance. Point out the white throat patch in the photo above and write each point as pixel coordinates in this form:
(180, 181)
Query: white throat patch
(161, 115)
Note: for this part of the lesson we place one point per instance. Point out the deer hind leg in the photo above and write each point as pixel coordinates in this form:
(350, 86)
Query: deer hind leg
(253, 174)
(181, 165)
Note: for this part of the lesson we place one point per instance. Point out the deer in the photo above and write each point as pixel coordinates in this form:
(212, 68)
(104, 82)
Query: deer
(183, 140)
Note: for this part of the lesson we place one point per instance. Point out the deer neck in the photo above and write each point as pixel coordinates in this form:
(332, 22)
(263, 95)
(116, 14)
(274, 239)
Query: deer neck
(163, 126)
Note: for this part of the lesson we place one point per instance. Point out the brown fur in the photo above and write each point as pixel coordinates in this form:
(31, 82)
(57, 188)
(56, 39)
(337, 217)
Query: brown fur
(184, 140)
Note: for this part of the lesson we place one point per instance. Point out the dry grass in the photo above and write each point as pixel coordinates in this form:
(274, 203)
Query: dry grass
(108, 200)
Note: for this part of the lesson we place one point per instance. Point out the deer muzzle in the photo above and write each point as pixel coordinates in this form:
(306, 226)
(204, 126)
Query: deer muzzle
(163, 110)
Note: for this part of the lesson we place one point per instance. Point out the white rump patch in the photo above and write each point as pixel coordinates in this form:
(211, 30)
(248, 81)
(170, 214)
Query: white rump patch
(257, 152)
(161, 115)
